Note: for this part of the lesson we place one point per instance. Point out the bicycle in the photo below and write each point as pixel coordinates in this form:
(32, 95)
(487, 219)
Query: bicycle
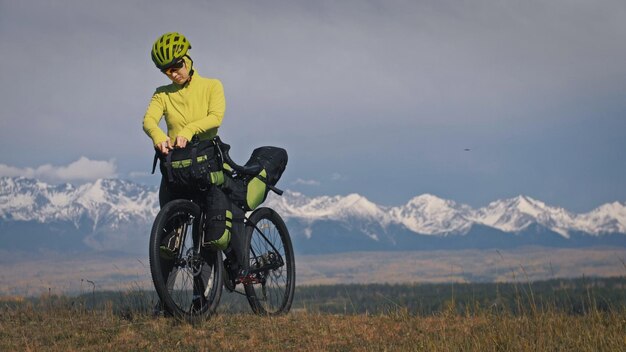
(189, 282)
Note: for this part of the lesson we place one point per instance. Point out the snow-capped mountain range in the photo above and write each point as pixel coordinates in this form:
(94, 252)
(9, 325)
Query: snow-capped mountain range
(429, 215)
(114, 214)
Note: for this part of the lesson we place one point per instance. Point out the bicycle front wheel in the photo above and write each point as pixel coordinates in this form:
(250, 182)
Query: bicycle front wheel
(271, 272)
(187, 277)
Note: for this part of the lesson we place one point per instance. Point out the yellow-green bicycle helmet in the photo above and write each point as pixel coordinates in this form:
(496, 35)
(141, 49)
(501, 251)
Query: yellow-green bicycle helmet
(168, 49)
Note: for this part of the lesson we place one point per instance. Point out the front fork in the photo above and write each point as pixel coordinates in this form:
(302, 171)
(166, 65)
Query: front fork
(191, 257)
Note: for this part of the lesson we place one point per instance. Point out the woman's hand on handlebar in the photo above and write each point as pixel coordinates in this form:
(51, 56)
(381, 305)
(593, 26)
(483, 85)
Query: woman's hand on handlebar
(164, 147)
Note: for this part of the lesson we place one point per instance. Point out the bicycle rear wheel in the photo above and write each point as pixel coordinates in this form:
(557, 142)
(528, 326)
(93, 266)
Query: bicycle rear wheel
(187, 277)
(271, 272)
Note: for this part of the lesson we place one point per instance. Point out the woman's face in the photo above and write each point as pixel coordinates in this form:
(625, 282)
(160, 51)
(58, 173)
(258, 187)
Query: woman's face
(178, 75)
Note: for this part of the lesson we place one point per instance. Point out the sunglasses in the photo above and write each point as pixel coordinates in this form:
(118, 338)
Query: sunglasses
(174, 67)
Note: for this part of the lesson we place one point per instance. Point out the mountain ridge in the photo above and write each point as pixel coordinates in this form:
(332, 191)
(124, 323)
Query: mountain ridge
(429, 214)
(115, 214)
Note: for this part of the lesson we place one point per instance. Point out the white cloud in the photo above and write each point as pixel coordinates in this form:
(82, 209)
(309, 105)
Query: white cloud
(82, 169)
(10, 171)
(300, 181)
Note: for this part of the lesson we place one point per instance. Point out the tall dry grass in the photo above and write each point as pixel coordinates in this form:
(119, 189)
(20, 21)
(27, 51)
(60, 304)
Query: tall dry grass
(53, 324)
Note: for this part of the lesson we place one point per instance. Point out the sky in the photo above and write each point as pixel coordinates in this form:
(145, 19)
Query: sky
(471, 101)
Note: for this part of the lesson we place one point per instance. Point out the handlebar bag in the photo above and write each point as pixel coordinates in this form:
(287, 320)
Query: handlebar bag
(198, 165)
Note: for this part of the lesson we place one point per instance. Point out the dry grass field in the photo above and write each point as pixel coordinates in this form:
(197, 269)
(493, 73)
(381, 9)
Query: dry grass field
(49, 327)
(55, 322)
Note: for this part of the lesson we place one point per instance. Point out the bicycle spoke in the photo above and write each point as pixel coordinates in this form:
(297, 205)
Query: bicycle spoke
(272, 290)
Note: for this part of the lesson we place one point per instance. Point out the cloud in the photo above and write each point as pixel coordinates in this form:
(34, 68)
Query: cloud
(80, 170)
(300, 181)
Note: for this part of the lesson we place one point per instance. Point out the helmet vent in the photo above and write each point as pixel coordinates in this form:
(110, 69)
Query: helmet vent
(168, 48)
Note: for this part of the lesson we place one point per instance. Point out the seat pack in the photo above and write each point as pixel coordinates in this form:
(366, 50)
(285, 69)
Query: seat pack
(248, 192)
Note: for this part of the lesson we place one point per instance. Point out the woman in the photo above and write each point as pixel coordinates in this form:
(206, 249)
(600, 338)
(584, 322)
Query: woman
(192, 105)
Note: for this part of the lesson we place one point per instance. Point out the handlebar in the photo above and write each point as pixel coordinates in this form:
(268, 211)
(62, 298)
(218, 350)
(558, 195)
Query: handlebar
(250, 170)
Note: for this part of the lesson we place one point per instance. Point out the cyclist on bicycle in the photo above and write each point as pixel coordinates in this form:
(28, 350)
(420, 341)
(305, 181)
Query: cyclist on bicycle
(193, 106)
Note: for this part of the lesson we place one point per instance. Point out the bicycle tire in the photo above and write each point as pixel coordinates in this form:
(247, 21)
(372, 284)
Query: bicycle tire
(271, 291)
(188, 281)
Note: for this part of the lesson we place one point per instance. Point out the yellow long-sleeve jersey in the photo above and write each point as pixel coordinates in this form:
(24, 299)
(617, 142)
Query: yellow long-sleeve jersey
(196, 108)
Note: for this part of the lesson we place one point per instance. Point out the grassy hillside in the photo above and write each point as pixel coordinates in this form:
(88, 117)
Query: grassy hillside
(39, 327)
(575, 315)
